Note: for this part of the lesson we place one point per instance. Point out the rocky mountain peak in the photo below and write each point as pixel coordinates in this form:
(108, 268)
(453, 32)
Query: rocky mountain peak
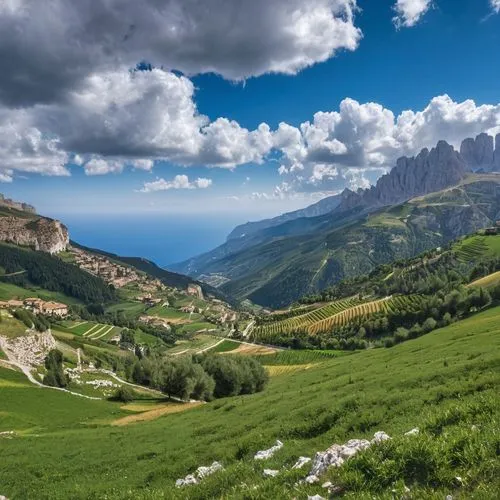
(429, 171)
(482, 153)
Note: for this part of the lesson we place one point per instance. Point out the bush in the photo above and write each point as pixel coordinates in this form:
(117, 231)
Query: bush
(124, 394)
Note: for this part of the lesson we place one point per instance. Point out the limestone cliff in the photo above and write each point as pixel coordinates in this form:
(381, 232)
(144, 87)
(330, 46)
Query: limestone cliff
(482, 153)
(429, 171)
(46, 235)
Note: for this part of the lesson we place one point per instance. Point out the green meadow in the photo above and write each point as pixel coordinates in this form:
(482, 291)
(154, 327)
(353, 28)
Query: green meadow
(446, 383)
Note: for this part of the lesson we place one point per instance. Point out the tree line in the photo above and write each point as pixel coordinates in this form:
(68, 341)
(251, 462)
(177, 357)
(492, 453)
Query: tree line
(202, 377)
(51, 273)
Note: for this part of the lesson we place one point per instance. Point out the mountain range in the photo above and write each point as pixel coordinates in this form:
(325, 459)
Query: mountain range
(423, 202)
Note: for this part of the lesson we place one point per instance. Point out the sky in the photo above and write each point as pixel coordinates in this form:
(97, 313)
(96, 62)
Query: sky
(229, 108)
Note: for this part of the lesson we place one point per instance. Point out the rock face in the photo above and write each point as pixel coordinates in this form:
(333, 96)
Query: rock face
(42, 234)
(429, 171)
(16, 205)
(482, 153)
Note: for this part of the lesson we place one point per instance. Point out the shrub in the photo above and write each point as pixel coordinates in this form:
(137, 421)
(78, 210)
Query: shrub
(124, 394)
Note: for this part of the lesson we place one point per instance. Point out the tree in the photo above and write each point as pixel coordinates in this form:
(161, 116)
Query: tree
(55, 376)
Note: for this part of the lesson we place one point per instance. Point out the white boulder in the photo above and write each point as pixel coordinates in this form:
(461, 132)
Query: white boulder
(413, 432)
(315, 497)
(337, 454)
(201, 473)
(265, 454)
(270, 472)
(380, 436)
(301, 462)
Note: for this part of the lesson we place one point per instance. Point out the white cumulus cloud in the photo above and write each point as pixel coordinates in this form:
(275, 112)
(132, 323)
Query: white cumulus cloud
(178, 182)
(495, 5)
(50, 47)
(410, 12)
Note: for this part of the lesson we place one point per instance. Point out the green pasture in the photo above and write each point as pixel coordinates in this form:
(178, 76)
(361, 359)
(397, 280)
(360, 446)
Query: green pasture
(446, 383)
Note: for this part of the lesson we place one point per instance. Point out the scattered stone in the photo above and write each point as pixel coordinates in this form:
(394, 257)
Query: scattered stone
(271, 472)
(459, 480)
(311, 479)
(301, 462)
(3, 498)
(449, 497)
(406, 489)
(413, 432)
(7, 435)
(380, 436)
(337, 454)
(201, 473)
(328, 484)
(189, 479)
(315, 497)
(265, 454)
(474, 428)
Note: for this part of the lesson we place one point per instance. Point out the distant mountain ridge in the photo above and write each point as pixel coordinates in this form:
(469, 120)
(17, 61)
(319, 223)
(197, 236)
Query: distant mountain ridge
(321, 207)
(277, 262)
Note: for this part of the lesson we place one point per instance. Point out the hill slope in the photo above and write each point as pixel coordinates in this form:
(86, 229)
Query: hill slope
(281, 271)
(444, 383)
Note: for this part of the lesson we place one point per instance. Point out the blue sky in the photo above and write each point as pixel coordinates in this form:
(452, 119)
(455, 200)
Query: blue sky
(382, 69)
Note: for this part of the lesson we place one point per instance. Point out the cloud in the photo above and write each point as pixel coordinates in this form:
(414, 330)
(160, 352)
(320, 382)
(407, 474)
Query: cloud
(179, 182)
(495, 5)
(50, 47)
(359, 142)
(147, 115)
(25, 148)
(410, 12)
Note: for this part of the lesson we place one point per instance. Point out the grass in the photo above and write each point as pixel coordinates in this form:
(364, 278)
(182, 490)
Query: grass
(128, 309)
(443, 382)
(11, 327)
(197, 343)
(475, 247)
(226, 346)
(172, 314)
(9, 291)
(487, 281)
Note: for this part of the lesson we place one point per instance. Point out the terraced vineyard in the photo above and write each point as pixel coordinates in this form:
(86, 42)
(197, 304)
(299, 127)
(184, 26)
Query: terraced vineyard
(472, 249)
(94, 331)
(300, 323)
(363, 311)
(333, 315)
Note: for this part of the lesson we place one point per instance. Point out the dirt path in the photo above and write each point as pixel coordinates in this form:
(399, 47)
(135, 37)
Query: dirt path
(248, 329)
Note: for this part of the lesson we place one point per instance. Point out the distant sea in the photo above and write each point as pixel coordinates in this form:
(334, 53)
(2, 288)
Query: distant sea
(160, 238)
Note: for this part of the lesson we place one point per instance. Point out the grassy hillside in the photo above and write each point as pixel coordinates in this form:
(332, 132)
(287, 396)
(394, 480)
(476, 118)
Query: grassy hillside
(445, 383)
(279, 271)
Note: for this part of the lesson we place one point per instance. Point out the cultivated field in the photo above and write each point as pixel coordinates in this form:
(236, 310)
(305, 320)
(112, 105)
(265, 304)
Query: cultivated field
(91, 330)
(487, 281)
(333, 315)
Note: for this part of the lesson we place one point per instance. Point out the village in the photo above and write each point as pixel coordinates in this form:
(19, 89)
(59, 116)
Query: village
(37, 306)
(113, 273)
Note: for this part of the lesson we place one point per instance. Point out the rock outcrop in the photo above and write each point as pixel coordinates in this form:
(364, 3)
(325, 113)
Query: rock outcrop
(429, 171)
(482, 153)
(43, 234)
(16, 205)
(201, 473)
(265, 454)
(337, 454)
